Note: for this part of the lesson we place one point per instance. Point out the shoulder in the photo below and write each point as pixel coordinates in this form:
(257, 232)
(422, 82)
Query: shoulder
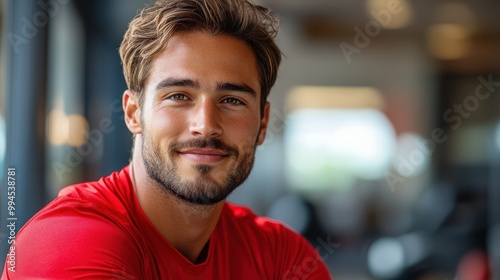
(292, 255)
(244, 218)
(82, 229)
(96, 205)
(98, 201)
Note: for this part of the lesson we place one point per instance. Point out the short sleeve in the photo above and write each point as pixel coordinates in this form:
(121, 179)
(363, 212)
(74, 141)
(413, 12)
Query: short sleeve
(293, 256)
(297, 259)
(66, 245)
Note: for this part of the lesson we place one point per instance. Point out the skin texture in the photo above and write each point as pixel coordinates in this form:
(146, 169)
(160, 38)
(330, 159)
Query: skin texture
(195, 134)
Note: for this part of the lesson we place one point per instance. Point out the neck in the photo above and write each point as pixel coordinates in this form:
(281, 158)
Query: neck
(186, 226)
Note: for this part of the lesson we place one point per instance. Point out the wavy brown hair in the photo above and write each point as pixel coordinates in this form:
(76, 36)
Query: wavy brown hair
(149, 31)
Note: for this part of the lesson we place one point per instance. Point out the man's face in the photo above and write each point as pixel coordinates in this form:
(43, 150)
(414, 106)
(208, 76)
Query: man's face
(201, 118)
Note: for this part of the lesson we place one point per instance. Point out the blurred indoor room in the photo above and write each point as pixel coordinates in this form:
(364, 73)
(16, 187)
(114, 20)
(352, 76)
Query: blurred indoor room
(383, 147)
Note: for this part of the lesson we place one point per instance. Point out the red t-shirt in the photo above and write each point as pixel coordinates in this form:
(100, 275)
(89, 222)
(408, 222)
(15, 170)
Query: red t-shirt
(97, 230)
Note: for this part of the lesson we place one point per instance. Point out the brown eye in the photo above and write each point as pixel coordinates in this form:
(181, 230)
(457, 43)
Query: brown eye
(232, 101)
(178, 97)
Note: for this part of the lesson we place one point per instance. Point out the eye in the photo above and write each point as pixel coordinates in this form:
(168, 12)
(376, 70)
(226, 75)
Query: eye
(233, 101)
(178, 97)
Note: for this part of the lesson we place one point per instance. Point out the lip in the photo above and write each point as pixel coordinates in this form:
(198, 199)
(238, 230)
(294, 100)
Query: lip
(201, 155)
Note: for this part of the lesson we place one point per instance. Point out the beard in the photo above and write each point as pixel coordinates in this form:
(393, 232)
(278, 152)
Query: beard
(202, 189)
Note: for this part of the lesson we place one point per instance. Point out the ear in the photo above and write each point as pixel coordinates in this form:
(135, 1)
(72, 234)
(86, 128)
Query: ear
(132, 112)
(263, 124)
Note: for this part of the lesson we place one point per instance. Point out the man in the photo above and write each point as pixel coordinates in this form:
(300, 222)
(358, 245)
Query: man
(198, 75)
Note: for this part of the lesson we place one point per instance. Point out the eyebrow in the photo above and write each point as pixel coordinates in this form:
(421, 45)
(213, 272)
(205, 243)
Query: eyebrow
(172, 82)
(221, 86)
(236, 87)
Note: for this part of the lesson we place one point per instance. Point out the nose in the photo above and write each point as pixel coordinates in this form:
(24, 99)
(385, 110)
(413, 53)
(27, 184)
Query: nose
(205, 119)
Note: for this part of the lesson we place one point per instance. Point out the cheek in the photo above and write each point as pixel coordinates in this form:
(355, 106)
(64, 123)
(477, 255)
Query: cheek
(244, 132)
(165, 125)
(173, 121)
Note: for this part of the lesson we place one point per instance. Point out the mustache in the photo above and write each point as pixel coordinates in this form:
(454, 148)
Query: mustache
(212, 143)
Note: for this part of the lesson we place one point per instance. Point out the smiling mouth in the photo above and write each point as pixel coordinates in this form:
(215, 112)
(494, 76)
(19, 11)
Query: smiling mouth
(204, 155)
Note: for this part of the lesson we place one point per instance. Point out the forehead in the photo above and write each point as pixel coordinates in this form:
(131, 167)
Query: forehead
(205, 57)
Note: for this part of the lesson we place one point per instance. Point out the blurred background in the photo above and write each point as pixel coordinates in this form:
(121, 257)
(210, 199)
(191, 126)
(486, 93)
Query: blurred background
(383, 147)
